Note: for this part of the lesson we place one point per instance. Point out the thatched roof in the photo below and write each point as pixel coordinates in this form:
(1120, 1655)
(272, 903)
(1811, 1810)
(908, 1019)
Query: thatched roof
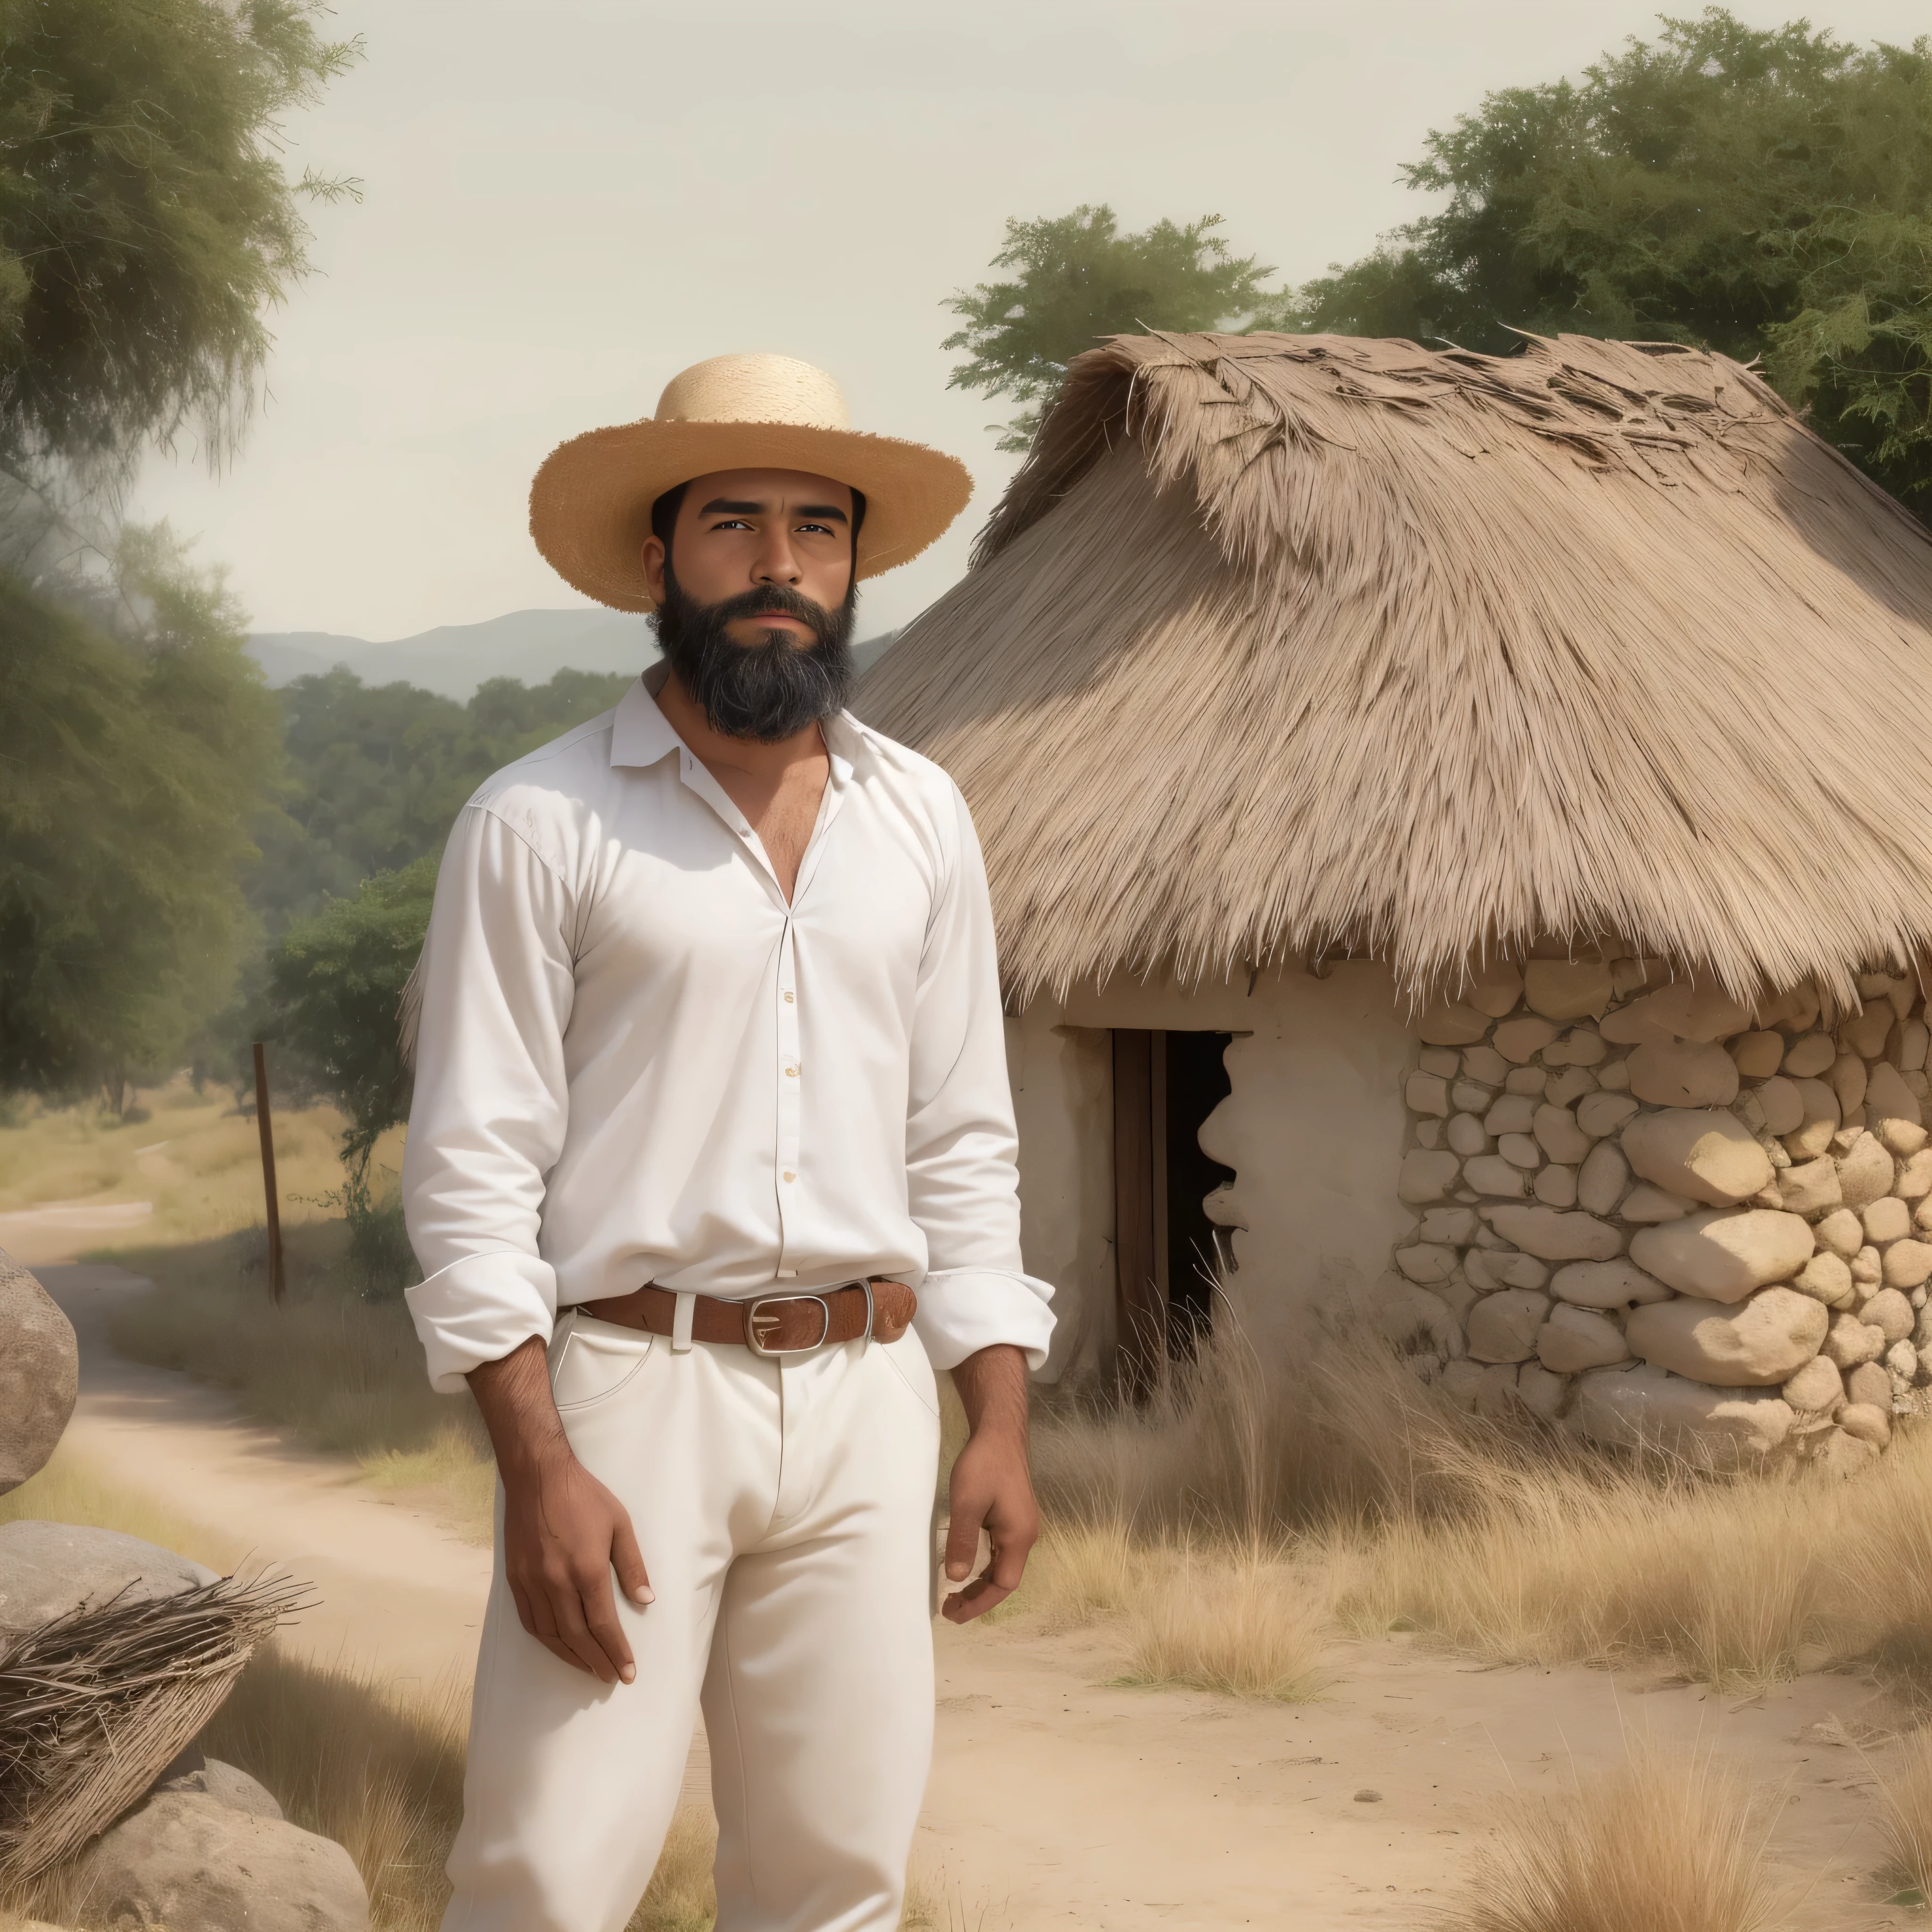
(1279, 646)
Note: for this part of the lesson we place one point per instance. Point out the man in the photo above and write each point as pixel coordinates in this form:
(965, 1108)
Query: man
(711, 1161)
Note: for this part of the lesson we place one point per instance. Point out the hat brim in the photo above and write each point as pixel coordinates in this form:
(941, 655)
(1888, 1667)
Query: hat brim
(590, 502)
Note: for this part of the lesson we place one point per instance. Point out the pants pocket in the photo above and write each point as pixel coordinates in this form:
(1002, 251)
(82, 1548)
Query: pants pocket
(908, 1361)
(590, 1360)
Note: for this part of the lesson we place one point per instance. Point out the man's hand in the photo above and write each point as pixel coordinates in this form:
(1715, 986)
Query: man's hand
(991, 1488)
(563, 1532)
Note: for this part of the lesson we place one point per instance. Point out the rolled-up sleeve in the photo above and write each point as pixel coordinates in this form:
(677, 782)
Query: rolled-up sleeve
(491, 1103)
(962, 1171)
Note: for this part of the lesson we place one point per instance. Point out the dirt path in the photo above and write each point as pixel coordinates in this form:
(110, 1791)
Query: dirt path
(400, 1595)
(1057, 1800)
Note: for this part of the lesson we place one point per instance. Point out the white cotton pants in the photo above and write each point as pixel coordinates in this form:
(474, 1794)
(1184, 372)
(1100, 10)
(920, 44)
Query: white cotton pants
(785, 1511)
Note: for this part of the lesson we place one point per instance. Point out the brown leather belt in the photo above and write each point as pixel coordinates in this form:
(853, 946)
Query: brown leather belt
(771, 1324)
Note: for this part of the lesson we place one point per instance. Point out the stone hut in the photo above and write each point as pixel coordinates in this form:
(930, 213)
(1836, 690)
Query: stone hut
(1460, 829)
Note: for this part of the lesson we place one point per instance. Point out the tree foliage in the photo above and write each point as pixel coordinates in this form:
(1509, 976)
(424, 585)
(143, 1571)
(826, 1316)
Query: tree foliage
(1759, 191)
(1078, 279)
(129, 767)
(146, 220)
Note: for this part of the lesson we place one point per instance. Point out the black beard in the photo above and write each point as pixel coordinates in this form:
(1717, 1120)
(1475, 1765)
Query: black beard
(766, 691)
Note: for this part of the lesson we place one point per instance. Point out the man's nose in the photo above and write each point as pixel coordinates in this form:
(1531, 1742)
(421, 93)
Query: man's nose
(776, 562)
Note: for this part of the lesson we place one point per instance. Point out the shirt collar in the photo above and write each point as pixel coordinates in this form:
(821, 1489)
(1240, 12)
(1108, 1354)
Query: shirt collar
(640, 734)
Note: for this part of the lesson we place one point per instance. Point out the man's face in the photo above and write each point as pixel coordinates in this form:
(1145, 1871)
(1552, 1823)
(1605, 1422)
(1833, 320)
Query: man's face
(755, 599)
(738, 529)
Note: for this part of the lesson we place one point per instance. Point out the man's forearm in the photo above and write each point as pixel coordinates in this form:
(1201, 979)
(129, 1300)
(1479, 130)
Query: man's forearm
(518, 1410)
(992, 1389)
(991, 1488)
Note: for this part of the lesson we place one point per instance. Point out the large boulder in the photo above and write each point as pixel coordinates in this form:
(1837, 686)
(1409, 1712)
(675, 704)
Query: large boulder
(187, 1861)
(47, 1569)
(1701, 1152)
(1753, 1344)
(40, 1373)
(1724, 1254)
(193, 1775)
(1648, 1404)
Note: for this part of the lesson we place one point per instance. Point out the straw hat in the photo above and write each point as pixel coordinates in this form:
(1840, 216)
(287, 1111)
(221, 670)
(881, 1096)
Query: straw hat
(590, 503)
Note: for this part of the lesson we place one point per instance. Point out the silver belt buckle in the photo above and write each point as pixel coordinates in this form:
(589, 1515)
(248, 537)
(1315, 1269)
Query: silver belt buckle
(758, 1325)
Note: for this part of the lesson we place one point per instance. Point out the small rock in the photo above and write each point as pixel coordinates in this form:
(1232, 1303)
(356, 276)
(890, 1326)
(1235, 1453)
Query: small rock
(1703, 1154)
(1539, 1392)
(1614, 1077)
(1866, 1422)
(1850, 1344)
(1865, 1033)
(1759, 1055)
(1914, 1180)
(1683, 1010)
(1503, 1326)
(1566, 989)
(1425, 1176)
(1566, 1088)
(1649, 1405)
(40, 1373)
(1825, 1277)
(1811, 1187)
(1426, 1263)
(1617, 1284)
(187, 1861)
(1528, 1080)
(1559, 1135)
(47, 1569)
(1574, 1339)
(1843, 1233)
(1901, 1361)
(1466, 1136)
(1901, 1138)
(1426, 1093)
(1414, 1318)
(1602, 1113)
(1491, 1173)
(1555, 1185)
(1724, 1254)
(1520, 1039)
(1444, 1063)
(1520, 1151)
(1844, 1456)
(1868, 1267)
(1486, 1064)
(1913, 1040)
(1367, 1797)
(1782, 1106)
(1812, 1136)
(1890, 1313)
(1683, 1073)
(1817, 1388)
(1553, 1236)
(1452, 1025)
(1455, 1225)
(1428, 1134)
(1601, 1180)
(1865, 1172)
(1887, 1219)
(1869, 1382)
(1763, 1340)
(1647, 1204)
(1470, 1097)
(1513, 1114)
(1846, 1078)
(1808, 1058)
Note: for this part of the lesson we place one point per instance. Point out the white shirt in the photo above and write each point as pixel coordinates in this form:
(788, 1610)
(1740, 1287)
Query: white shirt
(636, 1063)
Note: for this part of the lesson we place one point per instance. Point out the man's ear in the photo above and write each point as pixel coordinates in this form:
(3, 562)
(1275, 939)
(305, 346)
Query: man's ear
(652, 553)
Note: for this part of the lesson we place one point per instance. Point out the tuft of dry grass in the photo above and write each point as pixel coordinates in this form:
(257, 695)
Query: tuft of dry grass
(454, 1475)
(1905, 1814)
(1247, 1627)
(1665, 1844)
(70, 1490)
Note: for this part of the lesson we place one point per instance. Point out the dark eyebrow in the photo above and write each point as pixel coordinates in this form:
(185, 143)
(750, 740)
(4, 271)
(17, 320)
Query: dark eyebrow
(721, 506)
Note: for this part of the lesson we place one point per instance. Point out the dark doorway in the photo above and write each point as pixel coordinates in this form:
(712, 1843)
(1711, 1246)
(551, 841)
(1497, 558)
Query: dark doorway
(1167, 1252)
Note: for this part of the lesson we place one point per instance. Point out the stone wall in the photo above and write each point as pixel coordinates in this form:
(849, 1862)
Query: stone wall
(1642, 1210)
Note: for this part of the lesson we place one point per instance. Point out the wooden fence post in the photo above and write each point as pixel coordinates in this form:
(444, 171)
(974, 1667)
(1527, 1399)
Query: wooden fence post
(268, 1132)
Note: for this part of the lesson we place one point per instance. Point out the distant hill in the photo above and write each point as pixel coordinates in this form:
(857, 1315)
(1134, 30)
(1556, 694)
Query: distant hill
(453, 659)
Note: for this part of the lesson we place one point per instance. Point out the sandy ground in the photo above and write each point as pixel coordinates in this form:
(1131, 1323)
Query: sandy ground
(1057, 1799)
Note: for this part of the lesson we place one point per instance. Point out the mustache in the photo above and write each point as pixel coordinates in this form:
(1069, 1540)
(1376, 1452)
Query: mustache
(775, 600)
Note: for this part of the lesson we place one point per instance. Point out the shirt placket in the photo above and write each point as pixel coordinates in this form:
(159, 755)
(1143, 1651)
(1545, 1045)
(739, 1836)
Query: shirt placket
(790, 1080)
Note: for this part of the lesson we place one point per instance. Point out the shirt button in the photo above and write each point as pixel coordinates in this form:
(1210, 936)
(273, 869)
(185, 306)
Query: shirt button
(791, 1072)
(790, 1175)
(788, 999)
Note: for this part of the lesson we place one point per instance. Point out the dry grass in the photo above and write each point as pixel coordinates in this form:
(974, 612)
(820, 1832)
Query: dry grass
(1663, 1845)
(1355, 1492)
(1905, 1800)
(1248, 1628)
(69, 1490)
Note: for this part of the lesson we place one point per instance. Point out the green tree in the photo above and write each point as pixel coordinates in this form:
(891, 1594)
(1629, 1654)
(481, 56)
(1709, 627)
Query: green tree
(146, 221)
(1764, 192)
(128, 767)
(1079, 279)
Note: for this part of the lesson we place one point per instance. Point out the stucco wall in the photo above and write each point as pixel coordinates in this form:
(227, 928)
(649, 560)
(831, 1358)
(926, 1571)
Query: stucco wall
(1314, 1129)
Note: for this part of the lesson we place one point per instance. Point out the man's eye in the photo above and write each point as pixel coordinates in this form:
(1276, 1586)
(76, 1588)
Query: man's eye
(820, 529)
(732, 523)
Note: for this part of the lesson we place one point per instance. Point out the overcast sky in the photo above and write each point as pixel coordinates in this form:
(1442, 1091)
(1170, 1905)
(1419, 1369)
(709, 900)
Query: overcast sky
(567, 201)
